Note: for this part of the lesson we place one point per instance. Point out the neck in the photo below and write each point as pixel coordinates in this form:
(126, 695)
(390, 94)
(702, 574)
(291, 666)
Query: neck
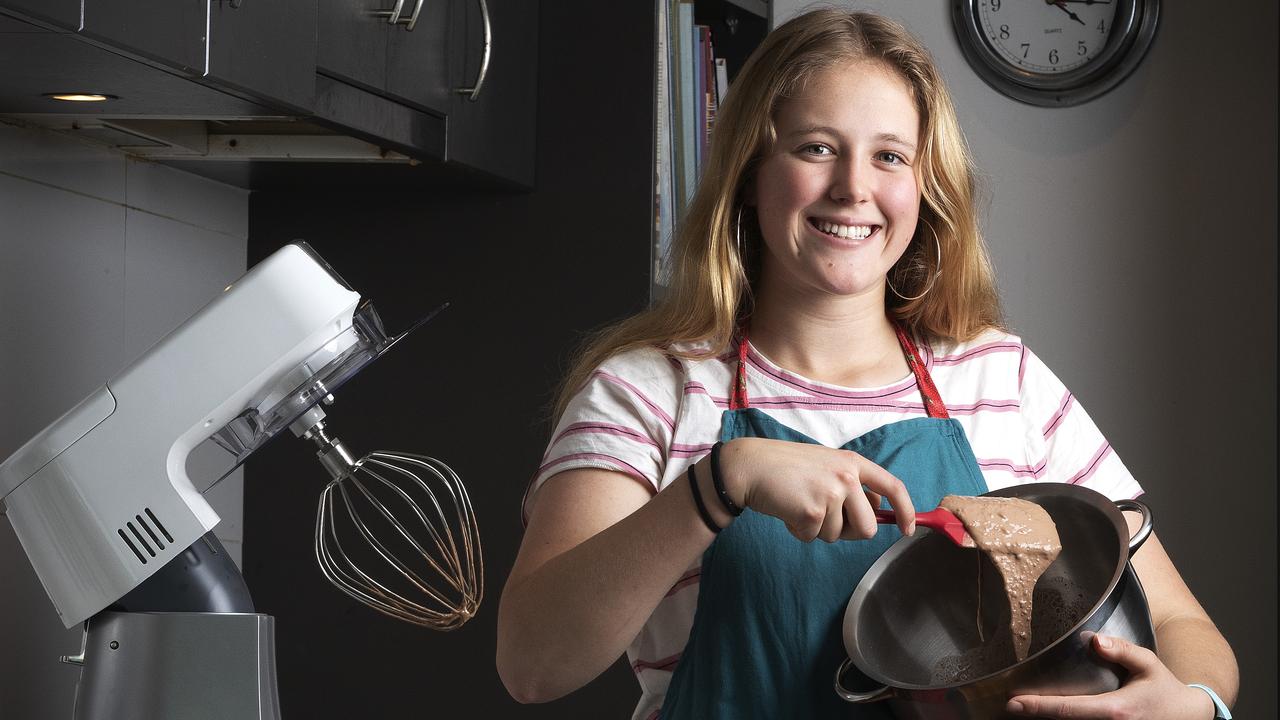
(847, 341)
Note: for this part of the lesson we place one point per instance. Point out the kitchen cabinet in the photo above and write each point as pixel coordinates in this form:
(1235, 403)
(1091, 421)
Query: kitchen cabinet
(261, 50)
(407, 60)
(371, 70)
(260, 85)
(64, 14)
(495, 132)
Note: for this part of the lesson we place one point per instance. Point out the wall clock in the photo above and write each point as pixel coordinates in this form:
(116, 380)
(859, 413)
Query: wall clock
(1054, 53)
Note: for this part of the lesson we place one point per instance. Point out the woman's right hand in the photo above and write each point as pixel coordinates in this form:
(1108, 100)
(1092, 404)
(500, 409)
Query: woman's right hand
(818, 492)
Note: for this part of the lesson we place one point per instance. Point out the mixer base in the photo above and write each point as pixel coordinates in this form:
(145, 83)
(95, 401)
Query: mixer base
(194, 666)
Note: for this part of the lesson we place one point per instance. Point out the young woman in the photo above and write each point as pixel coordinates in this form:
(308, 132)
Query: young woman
(831, 338)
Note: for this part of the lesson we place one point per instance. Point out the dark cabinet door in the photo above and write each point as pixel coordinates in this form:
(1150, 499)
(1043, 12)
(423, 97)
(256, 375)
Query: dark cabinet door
(265, 49)
(261, 50)
(418, 60)
(351, 41)
(62, 13)
(495, 131)
(168, 32)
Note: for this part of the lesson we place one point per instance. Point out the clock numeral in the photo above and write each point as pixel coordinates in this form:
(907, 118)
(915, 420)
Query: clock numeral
(1102, 26)
(995, 5)
(1026, 47)
(1081, 49)
(1004, 32)
(1053, 56)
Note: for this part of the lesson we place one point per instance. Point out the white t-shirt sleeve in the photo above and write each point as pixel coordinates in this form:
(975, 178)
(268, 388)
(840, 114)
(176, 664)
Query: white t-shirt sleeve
(622, 420)
(1071, 446)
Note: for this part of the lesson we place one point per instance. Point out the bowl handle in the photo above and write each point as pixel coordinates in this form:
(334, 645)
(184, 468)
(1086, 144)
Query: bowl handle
(881, 693)
(1139, 537)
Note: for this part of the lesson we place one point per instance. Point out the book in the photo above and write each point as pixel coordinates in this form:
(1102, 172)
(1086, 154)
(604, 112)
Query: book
(687, 118)
(722, 80)
(710, 103)
(664, 167)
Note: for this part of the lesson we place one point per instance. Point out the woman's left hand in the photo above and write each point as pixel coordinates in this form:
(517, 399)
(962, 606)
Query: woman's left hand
(1152, 691)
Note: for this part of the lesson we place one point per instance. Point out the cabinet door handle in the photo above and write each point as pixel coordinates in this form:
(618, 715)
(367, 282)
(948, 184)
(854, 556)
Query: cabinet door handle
(473, 92)
(393, 15)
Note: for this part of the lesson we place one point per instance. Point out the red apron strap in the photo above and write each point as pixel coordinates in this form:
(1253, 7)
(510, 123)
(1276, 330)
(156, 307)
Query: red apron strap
(738, 396)
(932, 400)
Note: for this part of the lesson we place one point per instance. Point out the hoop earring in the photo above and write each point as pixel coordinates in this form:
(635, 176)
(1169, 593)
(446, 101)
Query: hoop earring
(932, 280)
(737, 232)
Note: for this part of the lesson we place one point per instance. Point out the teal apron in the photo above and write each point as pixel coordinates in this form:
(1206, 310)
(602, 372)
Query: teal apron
(766, 637)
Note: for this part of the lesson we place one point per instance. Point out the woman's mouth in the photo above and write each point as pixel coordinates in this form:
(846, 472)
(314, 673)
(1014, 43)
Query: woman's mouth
(843, 232)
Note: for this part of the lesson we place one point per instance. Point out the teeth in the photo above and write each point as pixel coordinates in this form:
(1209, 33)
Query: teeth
(855, 232)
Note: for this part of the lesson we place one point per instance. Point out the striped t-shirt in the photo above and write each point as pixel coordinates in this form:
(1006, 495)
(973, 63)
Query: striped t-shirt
(650, 415)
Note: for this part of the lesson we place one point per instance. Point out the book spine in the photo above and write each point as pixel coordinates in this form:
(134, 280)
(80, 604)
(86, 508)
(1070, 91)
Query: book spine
(688, 105)
(710, 103)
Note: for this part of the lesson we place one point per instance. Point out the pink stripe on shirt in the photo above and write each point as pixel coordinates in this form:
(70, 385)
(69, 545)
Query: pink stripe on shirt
(813, 403)
(984, 406)
(693, 577)
(666, 663)
(1092, 467)
(662, 414)
(1011, 467)
(1063, 407)
(598, 428)
(619, 464)
(682, 450)
(1022, 367)
(978, 351)
(906, 386)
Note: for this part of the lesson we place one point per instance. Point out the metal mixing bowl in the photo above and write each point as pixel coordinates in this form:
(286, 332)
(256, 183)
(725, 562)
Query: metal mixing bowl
(921, 608)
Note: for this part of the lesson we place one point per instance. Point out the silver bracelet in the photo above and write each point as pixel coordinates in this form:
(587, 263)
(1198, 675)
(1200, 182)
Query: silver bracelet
(1220, 711)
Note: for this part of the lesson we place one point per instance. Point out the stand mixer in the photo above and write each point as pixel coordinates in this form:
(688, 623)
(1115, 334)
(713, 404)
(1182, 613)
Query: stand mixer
(121, 538)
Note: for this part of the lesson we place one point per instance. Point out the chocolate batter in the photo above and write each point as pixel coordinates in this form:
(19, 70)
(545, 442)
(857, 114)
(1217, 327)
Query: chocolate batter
(1021, 540)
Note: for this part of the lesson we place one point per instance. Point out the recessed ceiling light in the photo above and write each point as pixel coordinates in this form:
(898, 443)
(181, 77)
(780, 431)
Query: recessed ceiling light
(81, 97)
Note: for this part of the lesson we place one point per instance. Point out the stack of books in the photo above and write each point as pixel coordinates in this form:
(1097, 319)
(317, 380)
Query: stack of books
(690, 85)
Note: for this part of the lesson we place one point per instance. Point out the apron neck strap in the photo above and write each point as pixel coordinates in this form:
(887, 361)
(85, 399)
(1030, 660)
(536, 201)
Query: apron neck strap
(933, 405)
(738, 396)
(932, 400)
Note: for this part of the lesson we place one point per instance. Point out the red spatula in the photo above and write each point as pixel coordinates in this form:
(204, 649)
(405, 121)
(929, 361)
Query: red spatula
(938, 520)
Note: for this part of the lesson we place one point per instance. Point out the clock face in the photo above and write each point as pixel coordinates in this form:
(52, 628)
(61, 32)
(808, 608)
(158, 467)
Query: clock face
(1047, 37)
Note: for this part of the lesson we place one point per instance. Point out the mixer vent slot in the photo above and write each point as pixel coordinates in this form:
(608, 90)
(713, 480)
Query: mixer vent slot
(132, 547)
(146, 537)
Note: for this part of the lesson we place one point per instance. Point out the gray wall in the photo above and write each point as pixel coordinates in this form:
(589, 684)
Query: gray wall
(1135, 242)
(100, 256)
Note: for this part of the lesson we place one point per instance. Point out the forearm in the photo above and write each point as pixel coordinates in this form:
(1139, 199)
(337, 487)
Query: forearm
(1195, 651)
(565, 622)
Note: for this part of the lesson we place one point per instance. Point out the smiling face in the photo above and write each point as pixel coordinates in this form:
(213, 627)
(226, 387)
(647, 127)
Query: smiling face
(836, 196)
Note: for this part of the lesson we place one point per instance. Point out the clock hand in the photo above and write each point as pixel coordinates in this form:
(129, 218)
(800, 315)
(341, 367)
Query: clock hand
(1089, 2)
(1062, 5)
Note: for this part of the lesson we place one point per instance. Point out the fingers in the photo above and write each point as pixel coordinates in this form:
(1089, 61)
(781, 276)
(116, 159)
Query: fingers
(833, 520)
(1134, 658)
(860, 518)
(1076, 707)
(882, 482)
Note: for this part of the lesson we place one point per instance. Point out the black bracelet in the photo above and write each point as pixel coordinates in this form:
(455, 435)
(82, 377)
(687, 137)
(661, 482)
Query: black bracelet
(702, 508)
(718, 481)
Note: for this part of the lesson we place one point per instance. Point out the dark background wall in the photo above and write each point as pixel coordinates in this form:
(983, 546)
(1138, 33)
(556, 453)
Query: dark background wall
(526, 274)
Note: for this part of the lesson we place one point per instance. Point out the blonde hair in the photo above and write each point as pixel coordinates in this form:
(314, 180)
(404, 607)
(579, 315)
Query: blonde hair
(710, 292)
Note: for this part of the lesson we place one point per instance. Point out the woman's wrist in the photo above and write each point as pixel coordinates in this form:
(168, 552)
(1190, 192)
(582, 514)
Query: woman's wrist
(1210, 700)
(701, 471)
(717, 479)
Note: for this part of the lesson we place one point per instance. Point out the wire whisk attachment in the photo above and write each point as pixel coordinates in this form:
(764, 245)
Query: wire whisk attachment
(396, 531)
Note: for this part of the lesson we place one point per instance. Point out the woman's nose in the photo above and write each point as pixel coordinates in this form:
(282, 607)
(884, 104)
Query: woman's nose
(851, 182)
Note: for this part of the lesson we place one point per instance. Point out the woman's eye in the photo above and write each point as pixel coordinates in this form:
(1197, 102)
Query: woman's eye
(891, 158)
(816, 149)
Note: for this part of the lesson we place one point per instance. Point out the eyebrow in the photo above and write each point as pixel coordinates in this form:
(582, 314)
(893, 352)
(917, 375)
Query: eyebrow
(828, 130)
